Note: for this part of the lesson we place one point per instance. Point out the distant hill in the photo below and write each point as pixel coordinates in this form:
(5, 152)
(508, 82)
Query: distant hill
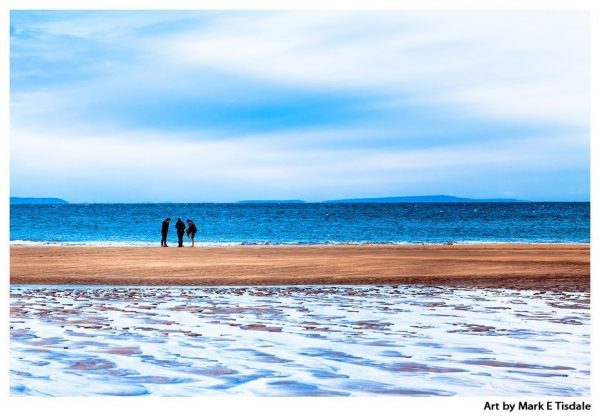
(272, 201)
(421, 199)
(21, 201)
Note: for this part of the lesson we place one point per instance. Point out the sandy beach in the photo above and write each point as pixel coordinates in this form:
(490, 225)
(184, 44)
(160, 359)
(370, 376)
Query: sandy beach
(528, 266)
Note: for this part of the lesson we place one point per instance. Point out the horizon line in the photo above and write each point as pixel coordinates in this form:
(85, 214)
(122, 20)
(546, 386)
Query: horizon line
(333, 201)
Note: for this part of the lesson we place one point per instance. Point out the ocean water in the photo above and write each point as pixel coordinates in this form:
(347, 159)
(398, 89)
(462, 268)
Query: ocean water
(321, 223)
(298, 341)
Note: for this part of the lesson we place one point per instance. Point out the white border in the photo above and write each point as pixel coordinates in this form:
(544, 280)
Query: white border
(270, 406)
(304, 4)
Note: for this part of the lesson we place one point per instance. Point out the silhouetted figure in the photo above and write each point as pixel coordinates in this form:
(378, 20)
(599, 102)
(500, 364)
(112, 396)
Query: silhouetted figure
(180, 227)
(164, 231)
(191, 230)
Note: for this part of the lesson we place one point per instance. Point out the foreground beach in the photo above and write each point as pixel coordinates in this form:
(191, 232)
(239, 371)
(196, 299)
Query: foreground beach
(560, 267)
(298, 341)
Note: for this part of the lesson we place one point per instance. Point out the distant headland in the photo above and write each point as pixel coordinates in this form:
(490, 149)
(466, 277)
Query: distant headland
(20, 201)
(423, 198)
(393, 199)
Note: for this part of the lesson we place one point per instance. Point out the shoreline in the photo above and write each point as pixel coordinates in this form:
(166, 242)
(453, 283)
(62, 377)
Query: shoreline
(560, 267)
(119, 244)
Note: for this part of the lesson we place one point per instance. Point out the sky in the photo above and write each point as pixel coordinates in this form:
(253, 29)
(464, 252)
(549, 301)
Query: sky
(221, 106)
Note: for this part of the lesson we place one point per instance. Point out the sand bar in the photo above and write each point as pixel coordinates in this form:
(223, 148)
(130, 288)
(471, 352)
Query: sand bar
(523, 266)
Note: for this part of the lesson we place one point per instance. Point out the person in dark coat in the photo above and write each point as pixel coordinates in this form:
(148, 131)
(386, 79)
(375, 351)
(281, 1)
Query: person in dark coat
(191, 230)
(164, 231)
(180, 227)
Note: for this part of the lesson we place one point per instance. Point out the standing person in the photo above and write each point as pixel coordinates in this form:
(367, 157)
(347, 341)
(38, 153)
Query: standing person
(164, 231)
(180, 227)
(191, 230)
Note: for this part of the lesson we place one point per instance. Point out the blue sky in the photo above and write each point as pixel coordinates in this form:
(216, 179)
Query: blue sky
(222, 106)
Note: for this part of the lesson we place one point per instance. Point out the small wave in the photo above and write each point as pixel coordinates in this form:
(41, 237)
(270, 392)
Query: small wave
(112, 243)
(274, 243)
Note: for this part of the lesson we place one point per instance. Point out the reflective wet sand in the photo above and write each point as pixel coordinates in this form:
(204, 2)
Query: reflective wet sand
(298, 341)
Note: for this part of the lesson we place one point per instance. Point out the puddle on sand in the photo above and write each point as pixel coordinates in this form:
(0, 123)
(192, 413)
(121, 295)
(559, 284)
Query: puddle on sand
(298, 341)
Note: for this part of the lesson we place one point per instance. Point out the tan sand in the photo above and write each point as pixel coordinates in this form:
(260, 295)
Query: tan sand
(538, 267)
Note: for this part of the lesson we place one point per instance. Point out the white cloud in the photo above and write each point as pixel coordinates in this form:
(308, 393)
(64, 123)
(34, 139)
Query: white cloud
(521, 65)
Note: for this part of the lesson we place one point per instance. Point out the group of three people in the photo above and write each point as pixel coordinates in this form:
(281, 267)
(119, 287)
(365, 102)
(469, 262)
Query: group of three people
(180, 227)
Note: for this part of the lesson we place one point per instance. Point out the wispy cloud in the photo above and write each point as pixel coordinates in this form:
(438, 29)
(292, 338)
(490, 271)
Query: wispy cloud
(236, 105)
(497, 64)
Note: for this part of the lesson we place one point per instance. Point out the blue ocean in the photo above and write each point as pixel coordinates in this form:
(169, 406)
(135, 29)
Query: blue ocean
(304, 223)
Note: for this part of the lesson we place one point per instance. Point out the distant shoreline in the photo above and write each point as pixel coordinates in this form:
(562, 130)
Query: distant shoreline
(419, 199)
(555, 267)
(334, 202)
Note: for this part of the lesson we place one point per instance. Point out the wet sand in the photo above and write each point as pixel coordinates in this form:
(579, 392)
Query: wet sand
(559, 267)
(298, 341)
